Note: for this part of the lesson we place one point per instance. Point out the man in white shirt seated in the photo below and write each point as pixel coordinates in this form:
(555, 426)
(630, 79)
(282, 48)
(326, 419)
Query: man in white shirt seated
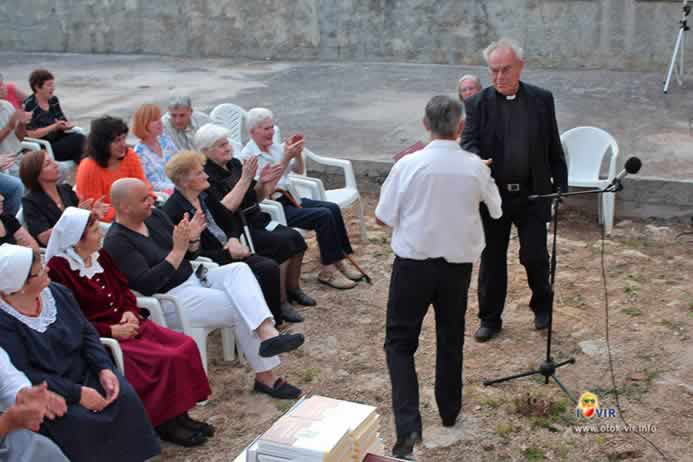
(12, 131)
(323, 217)
(181, 122)
(431, 200)
(23, 409)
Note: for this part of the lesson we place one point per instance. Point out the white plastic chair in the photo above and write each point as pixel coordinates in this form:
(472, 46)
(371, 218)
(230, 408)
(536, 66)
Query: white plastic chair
(585, 149)
(199, 334)
(156, 315)
(232, 117)
(36, 144)
(344, 197)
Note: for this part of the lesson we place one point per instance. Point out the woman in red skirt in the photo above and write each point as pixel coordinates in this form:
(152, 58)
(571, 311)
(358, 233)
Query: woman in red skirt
(162, 365)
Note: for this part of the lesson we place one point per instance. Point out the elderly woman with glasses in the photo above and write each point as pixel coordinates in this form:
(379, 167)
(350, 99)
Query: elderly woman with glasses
(163, 366)
(49, 339)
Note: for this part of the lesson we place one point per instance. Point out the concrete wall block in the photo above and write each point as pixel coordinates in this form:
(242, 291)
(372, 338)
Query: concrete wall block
(617, 34)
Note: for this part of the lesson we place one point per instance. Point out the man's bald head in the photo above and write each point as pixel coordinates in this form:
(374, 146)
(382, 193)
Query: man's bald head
(121, 190)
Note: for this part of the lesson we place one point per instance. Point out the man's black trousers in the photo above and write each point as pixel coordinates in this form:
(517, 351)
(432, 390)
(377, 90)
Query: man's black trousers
(414, 285)
(530, 220)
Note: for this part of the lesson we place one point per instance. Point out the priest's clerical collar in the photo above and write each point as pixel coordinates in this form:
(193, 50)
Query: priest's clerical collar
(510, 97)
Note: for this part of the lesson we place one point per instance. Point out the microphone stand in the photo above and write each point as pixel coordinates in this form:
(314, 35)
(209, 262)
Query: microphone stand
(548, 366)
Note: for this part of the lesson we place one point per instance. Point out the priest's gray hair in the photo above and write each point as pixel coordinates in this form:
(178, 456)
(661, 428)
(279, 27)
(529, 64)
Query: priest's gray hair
(257, 115)
(208, 134)
(504, 43)
(443, 115)
(178, 100)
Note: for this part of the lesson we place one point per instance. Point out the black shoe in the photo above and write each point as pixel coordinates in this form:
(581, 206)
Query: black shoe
(188, 422)
(280, 344)
(175, 433)
(485, 333)
(449, 421)
(541, 320)
(404, 447)
(300, 297)
(290, 314)
(281, 389)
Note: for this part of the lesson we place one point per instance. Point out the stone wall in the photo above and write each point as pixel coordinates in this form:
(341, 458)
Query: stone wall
(616, 34)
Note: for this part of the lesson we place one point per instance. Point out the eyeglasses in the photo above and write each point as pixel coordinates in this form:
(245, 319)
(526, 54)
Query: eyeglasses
(41, 272)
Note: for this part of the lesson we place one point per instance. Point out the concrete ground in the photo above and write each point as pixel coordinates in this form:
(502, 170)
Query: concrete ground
(368, 111)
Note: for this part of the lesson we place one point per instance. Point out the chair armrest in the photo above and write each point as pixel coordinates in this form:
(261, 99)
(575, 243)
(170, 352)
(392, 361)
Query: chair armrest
(152, 304)
(275, 210)
(308, 187)
(43, 143)
(185, 324)
(345, 165)
(114, 347)
(31, 145)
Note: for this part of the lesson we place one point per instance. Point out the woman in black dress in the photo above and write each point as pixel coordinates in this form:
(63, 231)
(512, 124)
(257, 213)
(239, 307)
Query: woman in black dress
(47, 196)
(48, 338)
(48, 121)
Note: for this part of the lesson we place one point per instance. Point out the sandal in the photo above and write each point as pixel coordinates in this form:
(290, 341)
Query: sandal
(281, 389)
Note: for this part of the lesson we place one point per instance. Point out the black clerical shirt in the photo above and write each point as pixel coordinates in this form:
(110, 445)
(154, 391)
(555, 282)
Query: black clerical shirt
(513, 128)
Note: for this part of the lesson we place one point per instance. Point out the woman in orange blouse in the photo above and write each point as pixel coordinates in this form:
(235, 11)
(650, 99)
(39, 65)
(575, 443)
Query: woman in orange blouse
(108, 159)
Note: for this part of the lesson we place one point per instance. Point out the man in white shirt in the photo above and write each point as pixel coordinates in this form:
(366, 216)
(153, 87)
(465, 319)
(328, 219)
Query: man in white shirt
(181, 122)
(431, 200)
(23, 408)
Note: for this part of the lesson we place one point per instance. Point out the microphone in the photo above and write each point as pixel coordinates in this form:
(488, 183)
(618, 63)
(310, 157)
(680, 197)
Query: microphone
(632, 166)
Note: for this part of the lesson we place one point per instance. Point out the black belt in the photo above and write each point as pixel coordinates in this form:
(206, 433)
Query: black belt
(513, 188)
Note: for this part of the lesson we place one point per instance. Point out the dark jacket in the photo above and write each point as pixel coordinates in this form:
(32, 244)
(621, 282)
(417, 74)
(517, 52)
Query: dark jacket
(548, 168)
(41, 213)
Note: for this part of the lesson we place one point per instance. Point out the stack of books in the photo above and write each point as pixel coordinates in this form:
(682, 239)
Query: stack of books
(320, 429)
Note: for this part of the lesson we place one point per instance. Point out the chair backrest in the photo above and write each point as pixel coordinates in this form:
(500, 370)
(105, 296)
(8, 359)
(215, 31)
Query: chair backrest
(585, 149)
(232, 117)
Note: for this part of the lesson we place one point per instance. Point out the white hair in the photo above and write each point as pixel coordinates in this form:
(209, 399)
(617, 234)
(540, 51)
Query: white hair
(257, 115)
(179, 100)
(473, 77)
(208, 134)
(507, 43)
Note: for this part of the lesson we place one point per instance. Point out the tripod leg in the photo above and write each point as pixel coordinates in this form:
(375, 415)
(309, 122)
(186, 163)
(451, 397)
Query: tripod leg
(511, 377)
(565, 390)
(672, 65)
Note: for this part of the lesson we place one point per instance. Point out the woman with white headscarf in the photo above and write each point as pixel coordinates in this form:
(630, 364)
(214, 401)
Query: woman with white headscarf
(163, 366)
(48, 338)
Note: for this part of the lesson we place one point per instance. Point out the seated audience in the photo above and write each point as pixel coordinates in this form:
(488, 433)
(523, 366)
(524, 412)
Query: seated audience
(155, 147)
(48, 338)
(48, 197)
(10, 186)
(163, 366)
(323, 217)
(109, 159)
(468, 86)
(152, 253)
(220, 239)
(181, 122)
(10, 93)
(48, 121)
(12, 232)
(22, 411)
(233, 185)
